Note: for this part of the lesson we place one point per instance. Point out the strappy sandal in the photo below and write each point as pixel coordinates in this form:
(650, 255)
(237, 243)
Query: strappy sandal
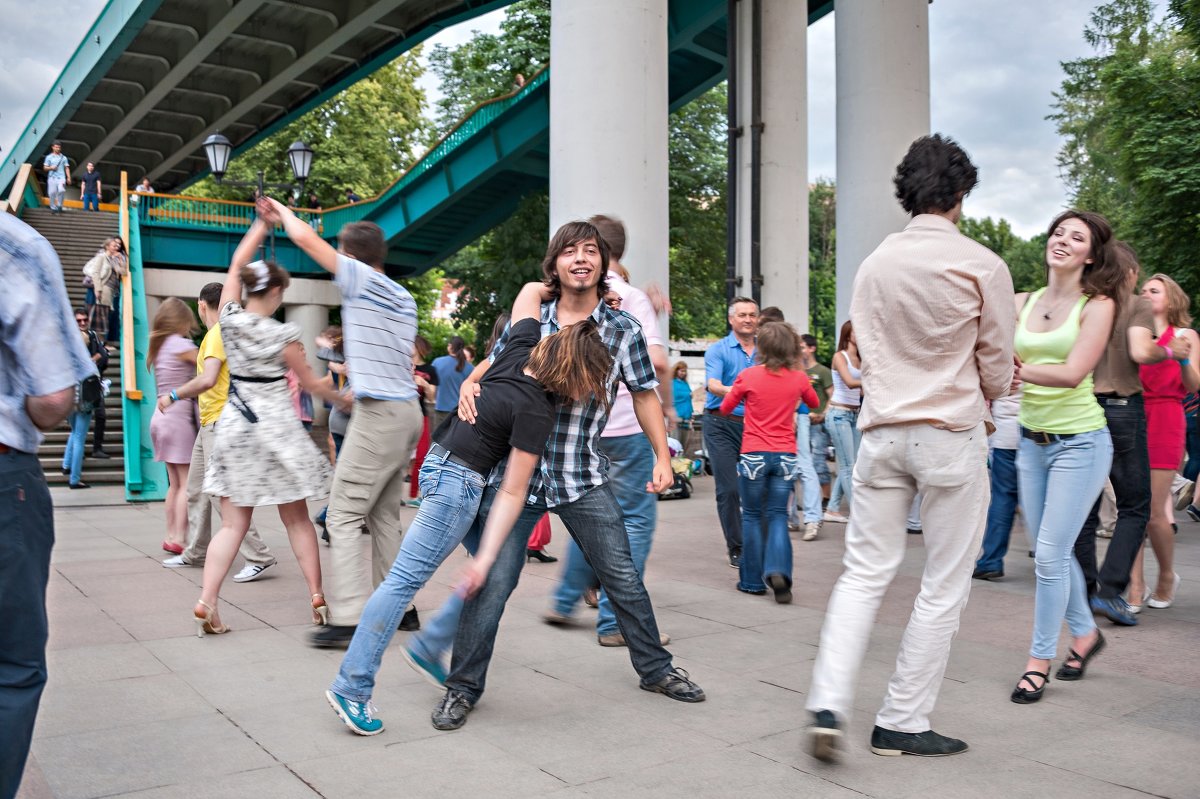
(1024, 696)
(1068, 672)
(204, 624)
(320, 610)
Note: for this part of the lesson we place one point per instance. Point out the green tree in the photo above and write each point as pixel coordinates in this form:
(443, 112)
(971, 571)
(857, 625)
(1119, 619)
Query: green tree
(1025, 257)
(822, 266)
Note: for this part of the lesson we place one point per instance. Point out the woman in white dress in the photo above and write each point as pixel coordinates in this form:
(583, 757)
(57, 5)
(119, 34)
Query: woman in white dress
(262, 455)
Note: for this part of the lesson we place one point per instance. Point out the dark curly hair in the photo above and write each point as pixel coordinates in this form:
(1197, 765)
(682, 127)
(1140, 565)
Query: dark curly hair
(569, 235)
(935, 174)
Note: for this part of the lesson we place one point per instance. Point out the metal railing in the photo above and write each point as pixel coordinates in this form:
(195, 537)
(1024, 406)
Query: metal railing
(181, 210)
(128, 362)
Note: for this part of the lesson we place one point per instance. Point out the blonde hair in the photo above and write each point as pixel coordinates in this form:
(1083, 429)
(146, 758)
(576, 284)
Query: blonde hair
(1177, 301)
(173, 317)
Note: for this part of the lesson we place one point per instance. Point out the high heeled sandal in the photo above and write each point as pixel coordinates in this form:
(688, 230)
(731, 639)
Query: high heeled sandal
(1068, 672)
(320, 611)
(1162, 604)
(1024, 696)
(204, 624)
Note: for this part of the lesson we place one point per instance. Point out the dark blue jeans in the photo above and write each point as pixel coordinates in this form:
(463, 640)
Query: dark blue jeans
(26, 538)
(1000, 512)
(723, 442)
(594, 521)
(1192, 470)
(766, 480)
(91, 202)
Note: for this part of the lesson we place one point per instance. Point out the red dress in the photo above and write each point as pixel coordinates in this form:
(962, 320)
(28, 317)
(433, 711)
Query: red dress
(1166, 428)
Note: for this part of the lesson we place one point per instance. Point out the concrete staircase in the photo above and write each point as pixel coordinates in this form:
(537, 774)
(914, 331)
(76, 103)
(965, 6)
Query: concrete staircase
(76, 236)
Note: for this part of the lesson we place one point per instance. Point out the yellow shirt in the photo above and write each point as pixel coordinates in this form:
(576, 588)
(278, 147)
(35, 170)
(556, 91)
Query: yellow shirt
(212, 402)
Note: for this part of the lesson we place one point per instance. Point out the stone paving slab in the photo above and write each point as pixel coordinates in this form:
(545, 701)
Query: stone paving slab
(138, 706)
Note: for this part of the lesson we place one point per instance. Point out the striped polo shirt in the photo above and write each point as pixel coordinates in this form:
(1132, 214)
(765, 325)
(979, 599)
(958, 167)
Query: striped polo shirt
(379, 321)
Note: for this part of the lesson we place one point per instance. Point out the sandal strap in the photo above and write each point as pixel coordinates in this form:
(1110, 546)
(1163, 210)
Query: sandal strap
(1073, 655)
(1025, 678)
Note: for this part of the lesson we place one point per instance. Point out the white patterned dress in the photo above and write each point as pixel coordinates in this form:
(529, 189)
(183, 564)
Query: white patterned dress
(262, 454)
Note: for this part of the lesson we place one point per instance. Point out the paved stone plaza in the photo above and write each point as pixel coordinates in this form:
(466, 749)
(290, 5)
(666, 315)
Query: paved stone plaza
(138, 706)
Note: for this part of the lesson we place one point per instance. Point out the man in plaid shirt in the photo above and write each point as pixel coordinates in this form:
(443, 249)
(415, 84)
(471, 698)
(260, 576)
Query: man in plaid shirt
(572, 481)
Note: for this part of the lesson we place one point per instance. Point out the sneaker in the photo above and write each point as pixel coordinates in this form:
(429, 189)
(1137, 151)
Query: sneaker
(811, 530)
(987, 574)
(1193, 512)
(825, 734)
(735, 559)
(414, 503)
(1103, 533)
(101, 455)
(451, 712)
(432, 671)
(890, 743)
(357, 715)
(616, 639)
(1184, 494)
(175, 562)
(1116, 610)
(677, 685)
(782, 589)
(251, 571)
(410, 622)
(835, 517)
(332, 636)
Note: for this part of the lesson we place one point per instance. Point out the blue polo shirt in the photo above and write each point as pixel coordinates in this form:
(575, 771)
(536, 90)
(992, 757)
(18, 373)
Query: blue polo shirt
(724, 361)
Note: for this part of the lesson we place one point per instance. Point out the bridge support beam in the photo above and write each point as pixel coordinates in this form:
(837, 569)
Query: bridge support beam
(608, 123)
(882, 106)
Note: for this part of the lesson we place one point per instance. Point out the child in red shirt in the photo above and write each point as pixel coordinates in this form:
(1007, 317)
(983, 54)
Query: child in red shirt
(768, 466)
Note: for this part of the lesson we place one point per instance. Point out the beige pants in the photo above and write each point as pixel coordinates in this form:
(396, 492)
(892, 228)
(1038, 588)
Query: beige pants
(894, 463)
(368, 486)
(201, 507)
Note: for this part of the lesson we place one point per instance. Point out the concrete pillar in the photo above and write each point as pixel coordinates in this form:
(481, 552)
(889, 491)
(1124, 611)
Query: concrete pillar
(882, 106)
(608, 123)
(312, 319)
(783, 157)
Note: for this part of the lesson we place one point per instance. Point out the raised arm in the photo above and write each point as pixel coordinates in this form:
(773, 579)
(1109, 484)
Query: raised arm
(246, 252)
(304, 237)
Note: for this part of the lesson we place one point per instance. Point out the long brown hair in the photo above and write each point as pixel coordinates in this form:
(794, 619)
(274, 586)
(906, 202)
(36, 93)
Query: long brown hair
(778, 346)
(1177, 301)
(173, 317)
(844, 336)
(573, 362)
(1105, 275)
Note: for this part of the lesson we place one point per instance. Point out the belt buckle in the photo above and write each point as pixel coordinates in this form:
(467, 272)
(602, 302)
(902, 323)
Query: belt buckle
(1043, 438)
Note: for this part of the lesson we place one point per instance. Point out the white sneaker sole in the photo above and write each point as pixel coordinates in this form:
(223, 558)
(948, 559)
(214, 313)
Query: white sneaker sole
(238, 578)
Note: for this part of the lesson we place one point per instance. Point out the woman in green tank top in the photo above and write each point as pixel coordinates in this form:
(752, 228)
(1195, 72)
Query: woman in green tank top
(1065, 451)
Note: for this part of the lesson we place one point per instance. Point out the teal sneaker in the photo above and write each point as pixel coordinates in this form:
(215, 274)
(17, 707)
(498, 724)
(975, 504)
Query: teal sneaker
(414, 503)
(357, 715)
(432, 671)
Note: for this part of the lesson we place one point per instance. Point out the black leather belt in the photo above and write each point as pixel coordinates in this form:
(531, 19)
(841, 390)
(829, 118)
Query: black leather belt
(1042, 439)
(445, 454)
(249, 379)
(729, 416)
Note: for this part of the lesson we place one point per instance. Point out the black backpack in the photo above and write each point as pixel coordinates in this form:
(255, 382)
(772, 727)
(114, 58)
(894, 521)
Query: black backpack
(91, 393)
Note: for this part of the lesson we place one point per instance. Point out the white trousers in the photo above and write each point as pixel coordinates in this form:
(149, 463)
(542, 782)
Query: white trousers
(949, 469)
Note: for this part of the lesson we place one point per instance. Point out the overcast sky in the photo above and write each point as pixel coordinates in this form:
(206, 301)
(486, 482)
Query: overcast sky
(994, 65)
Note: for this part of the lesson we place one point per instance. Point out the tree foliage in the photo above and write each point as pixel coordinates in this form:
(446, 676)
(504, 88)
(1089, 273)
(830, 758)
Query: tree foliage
(1025, 257)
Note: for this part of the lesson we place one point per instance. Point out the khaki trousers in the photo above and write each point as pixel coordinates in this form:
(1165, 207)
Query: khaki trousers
(368, 488)
(949, 469)
(201, 508)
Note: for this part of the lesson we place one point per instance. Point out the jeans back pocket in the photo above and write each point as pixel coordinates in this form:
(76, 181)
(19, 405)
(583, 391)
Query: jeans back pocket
(751, 466)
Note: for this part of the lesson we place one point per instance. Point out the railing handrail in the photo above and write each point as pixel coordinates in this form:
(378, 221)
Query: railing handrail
(160, 196)
(16, 197)
(128, 363)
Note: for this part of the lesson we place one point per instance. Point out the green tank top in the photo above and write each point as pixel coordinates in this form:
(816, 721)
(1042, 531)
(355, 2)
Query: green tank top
(1055, 410)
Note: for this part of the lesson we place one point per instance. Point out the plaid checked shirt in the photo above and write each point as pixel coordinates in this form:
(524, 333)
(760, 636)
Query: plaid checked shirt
(571, 462)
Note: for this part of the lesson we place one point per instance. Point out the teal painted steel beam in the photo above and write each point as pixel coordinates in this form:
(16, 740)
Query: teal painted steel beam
(111, 33)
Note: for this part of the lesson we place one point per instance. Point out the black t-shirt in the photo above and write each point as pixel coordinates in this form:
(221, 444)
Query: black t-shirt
(430, 374)
(513, 410)
(89, 181)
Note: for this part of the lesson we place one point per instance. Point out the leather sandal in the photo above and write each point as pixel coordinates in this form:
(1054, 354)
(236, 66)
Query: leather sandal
(1068, 672)
(1024, 696)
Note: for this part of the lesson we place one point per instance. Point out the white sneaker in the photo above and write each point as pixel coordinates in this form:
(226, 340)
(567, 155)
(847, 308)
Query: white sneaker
(251, 571)
(175, 562)
(1184, 491)
(810, 531)
(834, 516)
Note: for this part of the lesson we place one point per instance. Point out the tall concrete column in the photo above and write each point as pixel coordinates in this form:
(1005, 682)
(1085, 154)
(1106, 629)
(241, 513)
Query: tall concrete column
(882, 106)
(312, 319)
(608, 123)
(783, 154)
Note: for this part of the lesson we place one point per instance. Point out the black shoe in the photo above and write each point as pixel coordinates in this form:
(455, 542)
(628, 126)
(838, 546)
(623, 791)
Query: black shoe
(890, 743)
(987, 574)
(915, 531)
(66, 471)
(677, 685)
(451, 712)
(1068, 673)
(80, 484)
(332, 636)
(735, 559)
(783, 591)
(1027, 696)
(825, 734)
(756, 592)
(100, 455)
(410, 622)
(539, 556)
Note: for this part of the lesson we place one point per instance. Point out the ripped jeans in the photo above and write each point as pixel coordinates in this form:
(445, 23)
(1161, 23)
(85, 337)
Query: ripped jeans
(765, 480)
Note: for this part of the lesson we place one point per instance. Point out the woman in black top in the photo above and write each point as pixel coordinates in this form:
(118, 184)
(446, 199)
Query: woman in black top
(514, 420)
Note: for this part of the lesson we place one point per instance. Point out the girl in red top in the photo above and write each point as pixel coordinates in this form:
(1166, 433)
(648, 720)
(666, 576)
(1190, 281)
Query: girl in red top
(768, 467)
(1165, 385)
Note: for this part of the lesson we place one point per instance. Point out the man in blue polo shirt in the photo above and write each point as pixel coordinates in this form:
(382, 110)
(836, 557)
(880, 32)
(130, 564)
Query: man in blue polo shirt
(723, 362)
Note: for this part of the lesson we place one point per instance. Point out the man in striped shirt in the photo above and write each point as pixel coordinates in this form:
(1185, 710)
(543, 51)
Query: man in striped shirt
(379, 322)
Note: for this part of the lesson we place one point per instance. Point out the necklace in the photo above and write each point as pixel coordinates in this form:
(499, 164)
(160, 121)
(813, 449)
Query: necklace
(1058, 305)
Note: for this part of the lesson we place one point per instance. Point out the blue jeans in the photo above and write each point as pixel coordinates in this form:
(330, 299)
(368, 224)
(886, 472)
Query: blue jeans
(73, 454)
(594, 521)
(1192, 470)
(1000, 511)
(765, 479)
(818, 438)
(630, 467)
(723, 442)
(807, 484)
(92, 200)
(26, 539)
(842, 426)
(1058, 484)
(451, 500)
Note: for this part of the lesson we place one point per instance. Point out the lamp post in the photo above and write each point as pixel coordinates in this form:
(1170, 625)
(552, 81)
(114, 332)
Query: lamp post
(217, 149)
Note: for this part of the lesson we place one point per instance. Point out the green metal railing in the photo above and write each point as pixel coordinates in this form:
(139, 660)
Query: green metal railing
(178, 210)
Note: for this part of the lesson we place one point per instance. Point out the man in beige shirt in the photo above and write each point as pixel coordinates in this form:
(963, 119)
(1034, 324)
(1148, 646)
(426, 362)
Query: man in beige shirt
(932, 313)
